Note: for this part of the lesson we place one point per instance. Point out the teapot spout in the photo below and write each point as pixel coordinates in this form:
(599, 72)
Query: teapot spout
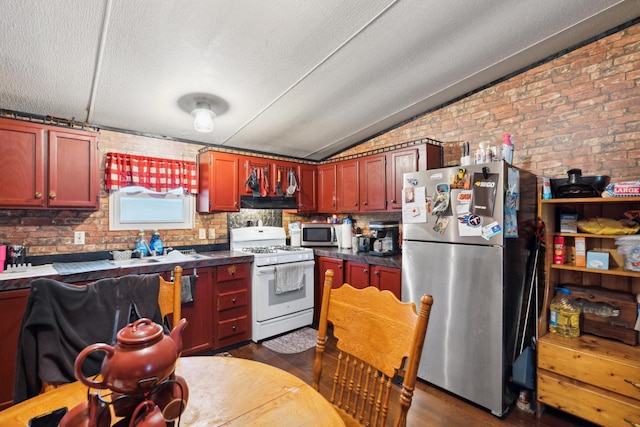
(176, 334)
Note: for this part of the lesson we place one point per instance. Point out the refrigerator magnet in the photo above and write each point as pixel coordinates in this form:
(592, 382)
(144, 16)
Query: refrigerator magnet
(490, 230)
(440, 199)
(441, 224)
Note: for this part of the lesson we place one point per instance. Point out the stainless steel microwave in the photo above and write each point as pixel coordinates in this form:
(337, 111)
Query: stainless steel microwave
(318, 234)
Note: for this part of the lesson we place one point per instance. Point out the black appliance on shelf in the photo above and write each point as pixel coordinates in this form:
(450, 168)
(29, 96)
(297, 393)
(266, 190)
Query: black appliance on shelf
(577, 186)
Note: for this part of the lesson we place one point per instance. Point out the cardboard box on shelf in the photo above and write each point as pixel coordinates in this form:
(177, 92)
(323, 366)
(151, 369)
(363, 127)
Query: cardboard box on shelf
(568, 223)
(581, 252)
(598, 259)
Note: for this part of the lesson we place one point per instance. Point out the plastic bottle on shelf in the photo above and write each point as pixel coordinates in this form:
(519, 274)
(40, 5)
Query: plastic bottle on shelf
(601, 309)
(564, 316)
(507, 148)
(142, 246)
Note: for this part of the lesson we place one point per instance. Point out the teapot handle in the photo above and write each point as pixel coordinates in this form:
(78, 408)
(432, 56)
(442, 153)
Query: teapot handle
(77, 367)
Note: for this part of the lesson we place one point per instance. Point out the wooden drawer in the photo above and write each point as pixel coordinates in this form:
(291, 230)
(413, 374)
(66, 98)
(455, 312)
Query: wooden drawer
(232, 272)
(235, 326)
(234, 299)
(597, 361)
(588, 402)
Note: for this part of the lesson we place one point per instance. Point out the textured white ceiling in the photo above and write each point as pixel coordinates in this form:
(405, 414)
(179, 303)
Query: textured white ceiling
(305, 79)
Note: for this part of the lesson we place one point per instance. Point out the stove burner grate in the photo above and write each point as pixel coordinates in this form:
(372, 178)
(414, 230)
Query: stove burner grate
(260, 250)
(271, 249)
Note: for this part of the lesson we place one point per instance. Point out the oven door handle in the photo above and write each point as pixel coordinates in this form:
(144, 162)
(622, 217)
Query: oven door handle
(267, 269)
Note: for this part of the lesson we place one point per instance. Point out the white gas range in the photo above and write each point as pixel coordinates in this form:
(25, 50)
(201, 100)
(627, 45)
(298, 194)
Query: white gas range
(282, 280)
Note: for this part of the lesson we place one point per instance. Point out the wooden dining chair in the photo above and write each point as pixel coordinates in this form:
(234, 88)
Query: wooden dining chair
(169, 295)
(379, 338)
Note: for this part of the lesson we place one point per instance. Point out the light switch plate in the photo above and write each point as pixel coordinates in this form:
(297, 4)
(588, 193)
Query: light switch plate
(202, 233)
(212, 234)
(78, 237)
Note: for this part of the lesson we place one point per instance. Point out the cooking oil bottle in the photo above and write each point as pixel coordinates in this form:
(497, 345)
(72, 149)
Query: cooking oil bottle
(564, 316)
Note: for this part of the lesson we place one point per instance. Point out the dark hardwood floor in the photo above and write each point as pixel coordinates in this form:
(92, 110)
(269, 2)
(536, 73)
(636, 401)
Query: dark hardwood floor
(431, 405)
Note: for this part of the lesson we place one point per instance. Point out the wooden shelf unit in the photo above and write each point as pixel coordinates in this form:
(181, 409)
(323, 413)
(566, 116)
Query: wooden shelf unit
(592, 377)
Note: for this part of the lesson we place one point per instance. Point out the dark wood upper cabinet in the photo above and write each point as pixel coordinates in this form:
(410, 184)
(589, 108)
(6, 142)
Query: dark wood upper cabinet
(327, 188)
(372, 183)
(73, 170)
(307, 198)
(48, 168)
(218, 182)
(348, 186)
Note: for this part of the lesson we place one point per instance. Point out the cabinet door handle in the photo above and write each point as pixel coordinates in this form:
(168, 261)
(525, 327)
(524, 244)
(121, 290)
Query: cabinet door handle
(365, 271)
(233, 301)
(377, 273)
(233, 328)
(235, 204)
(339, 266)
(52, 195)
(38, 195)
(365, 203)
(393, 201)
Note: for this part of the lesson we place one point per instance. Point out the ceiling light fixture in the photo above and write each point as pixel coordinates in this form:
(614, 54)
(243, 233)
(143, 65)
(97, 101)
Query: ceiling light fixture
(204, 107)
(203, 121)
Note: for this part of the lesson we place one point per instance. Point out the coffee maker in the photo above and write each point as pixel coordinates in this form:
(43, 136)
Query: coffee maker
(386, 235)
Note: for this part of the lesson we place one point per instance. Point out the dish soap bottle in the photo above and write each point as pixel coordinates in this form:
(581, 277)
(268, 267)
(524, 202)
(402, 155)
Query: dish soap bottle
(564, 316)
(156, 243)
(142, 246)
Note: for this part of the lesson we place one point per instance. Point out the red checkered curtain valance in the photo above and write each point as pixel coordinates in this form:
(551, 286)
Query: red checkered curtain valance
(125, 170)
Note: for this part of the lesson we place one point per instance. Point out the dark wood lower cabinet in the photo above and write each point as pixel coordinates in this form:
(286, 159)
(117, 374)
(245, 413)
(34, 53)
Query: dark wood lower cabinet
(198, 335)
(357, 274)
(12, 305)
(232, 305)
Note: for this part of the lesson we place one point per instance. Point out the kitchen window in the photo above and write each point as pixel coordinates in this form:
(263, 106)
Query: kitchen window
(135, 208)
(150, 192)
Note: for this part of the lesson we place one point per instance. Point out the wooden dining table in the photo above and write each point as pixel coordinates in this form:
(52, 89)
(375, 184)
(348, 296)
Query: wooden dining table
(223, 391)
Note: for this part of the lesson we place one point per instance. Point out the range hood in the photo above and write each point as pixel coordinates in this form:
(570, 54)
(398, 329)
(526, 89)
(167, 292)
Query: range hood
(268, 202)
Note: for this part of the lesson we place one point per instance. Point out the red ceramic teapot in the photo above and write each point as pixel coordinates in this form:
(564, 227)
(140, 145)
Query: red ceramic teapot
(142, 357)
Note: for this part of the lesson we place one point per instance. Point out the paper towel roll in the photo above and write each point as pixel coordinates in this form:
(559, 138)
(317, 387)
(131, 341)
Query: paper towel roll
(346, 236)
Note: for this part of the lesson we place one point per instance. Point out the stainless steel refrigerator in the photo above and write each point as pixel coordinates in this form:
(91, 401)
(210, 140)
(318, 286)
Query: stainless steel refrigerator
(465, 239)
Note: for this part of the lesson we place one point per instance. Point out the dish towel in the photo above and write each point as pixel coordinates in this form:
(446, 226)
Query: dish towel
(288, 278)
(187, 291)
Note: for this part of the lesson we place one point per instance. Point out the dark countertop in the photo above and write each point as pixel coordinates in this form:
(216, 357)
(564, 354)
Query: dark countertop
(394, 261)
(14, 281)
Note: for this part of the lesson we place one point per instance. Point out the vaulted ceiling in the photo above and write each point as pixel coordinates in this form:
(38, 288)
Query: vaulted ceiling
(305, 79)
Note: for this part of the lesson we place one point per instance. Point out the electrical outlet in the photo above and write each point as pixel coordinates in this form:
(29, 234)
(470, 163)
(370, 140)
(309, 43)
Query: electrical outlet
(202, 233)
(212, 234)
(78, 237)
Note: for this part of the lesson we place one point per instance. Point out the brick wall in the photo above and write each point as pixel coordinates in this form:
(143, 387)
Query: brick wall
(580, 110)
